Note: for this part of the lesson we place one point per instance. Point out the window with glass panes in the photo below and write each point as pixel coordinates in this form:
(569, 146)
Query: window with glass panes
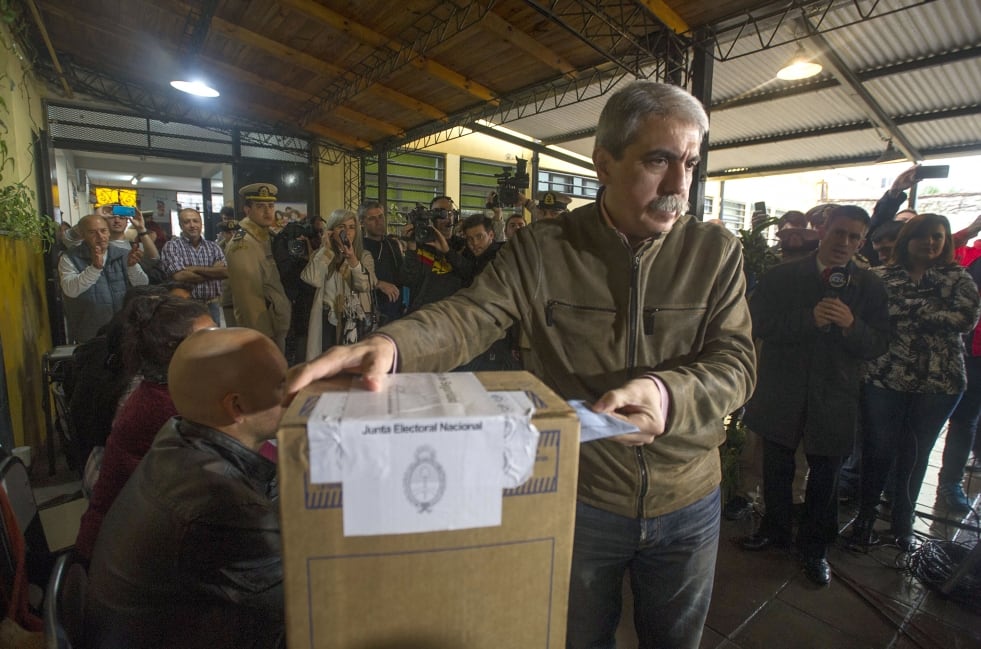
(412, 178)
(572, 185)
(477, 179)
(733, 215)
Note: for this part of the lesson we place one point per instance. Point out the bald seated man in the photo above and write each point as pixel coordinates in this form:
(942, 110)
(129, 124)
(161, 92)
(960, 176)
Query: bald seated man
(189, 554)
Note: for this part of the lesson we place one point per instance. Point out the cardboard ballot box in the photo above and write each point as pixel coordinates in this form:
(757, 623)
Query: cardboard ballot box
(482, 588)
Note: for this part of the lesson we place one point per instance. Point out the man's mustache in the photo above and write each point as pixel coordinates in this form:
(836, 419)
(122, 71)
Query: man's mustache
(670, 203)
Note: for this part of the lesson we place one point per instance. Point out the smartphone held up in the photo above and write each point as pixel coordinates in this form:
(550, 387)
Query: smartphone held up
(932, 171)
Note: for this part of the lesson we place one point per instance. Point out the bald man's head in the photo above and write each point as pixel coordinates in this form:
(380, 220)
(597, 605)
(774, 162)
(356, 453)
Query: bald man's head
(94, 230)
(230, 379)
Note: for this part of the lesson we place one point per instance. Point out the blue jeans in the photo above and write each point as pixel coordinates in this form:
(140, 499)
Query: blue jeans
(903, 426)
(963, 426)
(671, 559)
(214, 309)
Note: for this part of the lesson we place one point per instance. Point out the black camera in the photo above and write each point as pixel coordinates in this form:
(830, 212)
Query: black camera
(292, 232)
(508, 186)
(422, 230)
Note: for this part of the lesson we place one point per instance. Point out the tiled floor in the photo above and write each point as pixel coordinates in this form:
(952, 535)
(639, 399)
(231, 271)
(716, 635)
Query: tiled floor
(873, 600)
(762, 600)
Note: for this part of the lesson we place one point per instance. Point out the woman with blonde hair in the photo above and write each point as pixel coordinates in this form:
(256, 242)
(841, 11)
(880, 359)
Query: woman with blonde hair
(343, 273)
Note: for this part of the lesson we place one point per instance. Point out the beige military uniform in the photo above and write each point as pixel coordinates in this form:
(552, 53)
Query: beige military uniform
(258, 297)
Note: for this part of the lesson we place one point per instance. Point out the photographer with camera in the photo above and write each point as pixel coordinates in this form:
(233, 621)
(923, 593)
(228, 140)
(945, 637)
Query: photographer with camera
(292, 248)
(428, 237)
(128, 231)
(343, 273)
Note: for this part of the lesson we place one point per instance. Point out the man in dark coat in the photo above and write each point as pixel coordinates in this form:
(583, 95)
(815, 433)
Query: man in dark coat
(818, 319)
(189, 554)
(478, 231)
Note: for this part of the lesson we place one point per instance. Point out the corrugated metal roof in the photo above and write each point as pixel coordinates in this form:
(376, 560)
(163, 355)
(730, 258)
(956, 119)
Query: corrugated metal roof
(924, 33)
(795, 126)
(339, 77)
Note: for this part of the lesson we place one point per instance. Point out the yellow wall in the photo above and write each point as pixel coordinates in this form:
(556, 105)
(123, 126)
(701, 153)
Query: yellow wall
(331, 181)
(24, 329)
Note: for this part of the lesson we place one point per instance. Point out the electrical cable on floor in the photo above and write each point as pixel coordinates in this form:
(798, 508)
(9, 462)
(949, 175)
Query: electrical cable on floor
(935, 562)
(899, 617)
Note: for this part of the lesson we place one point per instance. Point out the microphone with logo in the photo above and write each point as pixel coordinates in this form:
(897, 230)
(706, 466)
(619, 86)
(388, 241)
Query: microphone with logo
(835, 280)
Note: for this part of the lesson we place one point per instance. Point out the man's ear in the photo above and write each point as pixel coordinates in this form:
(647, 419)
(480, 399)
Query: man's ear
(232, 408)
(602, 161)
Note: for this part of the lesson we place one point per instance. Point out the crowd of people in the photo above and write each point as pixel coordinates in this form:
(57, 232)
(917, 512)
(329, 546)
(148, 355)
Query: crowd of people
(861, 334)
(849, 355)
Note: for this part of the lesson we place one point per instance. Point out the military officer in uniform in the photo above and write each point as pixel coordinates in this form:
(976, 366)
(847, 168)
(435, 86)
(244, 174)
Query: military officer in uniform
(552, 205)
(258, 297)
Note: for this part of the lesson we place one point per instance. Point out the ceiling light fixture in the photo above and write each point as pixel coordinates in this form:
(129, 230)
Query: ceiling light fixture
(196, 87)
(800, 66)
(891, 153)
(135, 180)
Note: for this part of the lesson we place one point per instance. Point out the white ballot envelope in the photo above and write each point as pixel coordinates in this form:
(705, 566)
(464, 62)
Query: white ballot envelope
(595, 425)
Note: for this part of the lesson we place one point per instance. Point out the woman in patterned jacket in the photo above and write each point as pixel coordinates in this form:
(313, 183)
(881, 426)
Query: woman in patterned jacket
(910, 391)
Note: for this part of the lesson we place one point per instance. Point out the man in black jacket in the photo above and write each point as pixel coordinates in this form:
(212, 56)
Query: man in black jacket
(818, 319)
(189, 554)
(427, 271)
(478, 231)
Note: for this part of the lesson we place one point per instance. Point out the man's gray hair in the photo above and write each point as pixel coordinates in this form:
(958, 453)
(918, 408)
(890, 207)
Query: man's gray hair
(627, 108)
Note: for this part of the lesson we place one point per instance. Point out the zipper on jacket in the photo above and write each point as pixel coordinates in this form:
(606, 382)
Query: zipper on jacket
(643, 481)
(632, 316)
(649, 321)
(551, 304)
(632, 364)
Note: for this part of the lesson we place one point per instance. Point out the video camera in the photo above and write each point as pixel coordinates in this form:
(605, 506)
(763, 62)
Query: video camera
(508, 186)
(292, 232)
(420, 218)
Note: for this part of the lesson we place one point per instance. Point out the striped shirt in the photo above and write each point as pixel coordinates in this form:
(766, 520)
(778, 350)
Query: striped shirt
(178, 254)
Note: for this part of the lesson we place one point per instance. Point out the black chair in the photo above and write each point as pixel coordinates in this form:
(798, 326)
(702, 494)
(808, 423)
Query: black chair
(64, 605)
(17, 485)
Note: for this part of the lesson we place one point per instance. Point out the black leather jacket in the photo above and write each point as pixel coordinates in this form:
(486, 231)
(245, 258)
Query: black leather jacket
(189, 555)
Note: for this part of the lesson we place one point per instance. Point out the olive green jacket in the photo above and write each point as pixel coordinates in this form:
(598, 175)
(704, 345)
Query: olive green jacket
(596, 315)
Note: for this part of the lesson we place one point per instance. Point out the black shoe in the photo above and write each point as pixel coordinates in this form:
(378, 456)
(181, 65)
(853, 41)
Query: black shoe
(862, 534)
(817, 570)
(737, 509)
(759, 542)
(906, 542)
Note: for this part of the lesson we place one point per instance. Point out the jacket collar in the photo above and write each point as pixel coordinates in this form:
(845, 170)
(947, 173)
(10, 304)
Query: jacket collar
(253, 228)
(604, 219)
(256, 469)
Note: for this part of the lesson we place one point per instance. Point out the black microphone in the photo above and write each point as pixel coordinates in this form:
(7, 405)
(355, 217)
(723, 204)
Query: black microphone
(835, 280)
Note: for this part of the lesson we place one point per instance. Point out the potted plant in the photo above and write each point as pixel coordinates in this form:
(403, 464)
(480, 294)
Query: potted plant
(19, 218)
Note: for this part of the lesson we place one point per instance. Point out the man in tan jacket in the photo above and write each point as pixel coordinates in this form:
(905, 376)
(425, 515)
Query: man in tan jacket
(258, 297)
(639, 308)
